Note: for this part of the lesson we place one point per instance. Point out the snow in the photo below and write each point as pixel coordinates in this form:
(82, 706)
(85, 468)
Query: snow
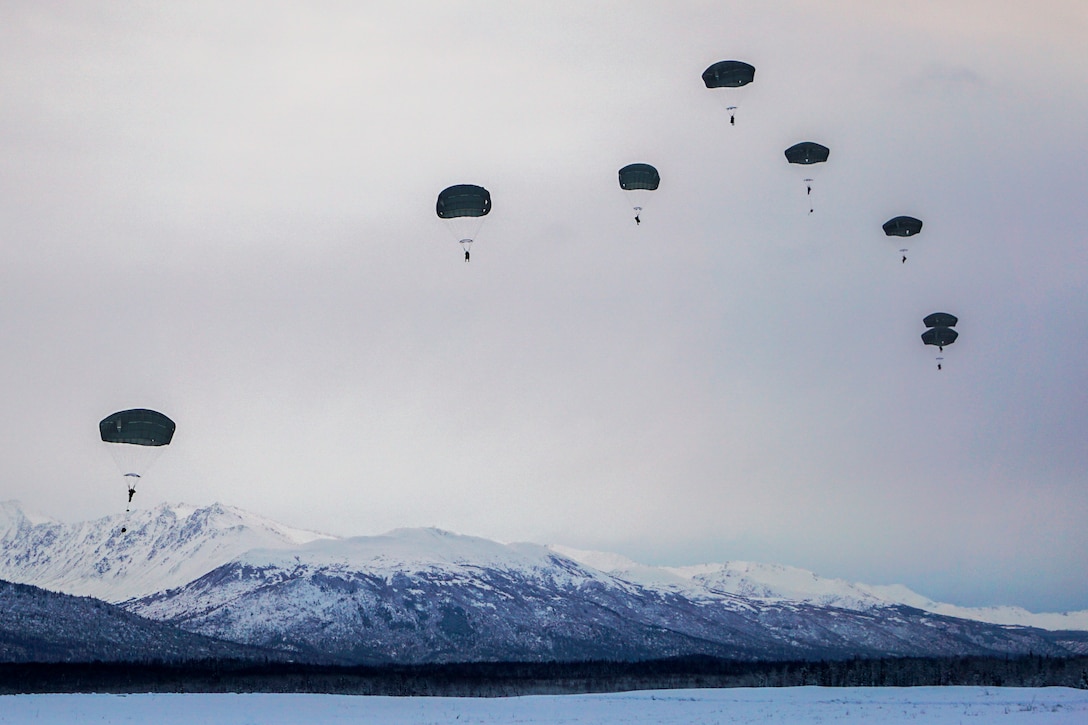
(11, 512)
(796, 706)
(166, 546)
(779, 583)
(1018, 616)
(407, 551)
(173, 544)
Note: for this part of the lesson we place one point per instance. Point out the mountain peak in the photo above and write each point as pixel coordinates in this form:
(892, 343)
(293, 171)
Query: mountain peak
(165, 546)
(13, 511)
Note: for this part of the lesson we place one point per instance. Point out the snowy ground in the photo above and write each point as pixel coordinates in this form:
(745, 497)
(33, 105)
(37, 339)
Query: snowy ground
(796, 706)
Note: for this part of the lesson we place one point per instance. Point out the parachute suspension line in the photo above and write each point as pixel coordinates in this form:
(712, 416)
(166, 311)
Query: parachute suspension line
(808, 193)
(130, 481)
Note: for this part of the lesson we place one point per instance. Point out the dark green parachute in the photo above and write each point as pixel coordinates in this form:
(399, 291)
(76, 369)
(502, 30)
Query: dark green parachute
(902, 226)
(940, 319)
(729, 74)
(138, 427)
(639, 176)
(806, 153)
(939, 336)
(463, 200)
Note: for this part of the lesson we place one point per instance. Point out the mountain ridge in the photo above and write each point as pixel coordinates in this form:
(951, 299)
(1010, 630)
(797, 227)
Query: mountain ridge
(479, 600)
(165, 546)
(165, 549)
(418, 595)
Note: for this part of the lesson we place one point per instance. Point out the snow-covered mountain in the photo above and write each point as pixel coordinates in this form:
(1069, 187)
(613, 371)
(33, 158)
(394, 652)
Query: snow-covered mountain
(164, 547)
(424, 595)
(778, 583)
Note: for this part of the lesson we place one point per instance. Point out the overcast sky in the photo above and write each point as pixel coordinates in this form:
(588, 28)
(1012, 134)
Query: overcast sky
(225, 211)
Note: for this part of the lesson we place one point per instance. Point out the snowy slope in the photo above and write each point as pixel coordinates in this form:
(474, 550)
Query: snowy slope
(418, 595)
(164, 547)
(425, 595)
(172, 545)
(778, 583)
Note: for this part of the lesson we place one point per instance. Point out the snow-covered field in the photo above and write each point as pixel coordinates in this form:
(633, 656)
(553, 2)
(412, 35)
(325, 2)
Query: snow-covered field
(796, 706)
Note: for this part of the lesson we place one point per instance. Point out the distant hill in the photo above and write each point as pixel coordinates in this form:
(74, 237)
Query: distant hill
(41, 626)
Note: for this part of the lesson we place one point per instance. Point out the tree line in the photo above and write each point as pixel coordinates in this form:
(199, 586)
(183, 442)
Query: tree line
(505, 679)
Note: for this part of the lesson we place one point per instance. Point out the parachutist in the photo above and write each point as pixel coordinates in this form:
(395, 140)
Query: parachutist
(637, 180)
(904, 259)
(809, 192)
(732, 121)
(464, 206)
(131, 492)
(938, 366)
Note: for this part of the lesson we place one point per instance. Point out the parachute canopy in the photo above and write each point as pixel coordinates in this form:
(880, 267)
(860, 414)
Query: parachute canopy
(940, 319)
(729, 74)
(939, 336)
(137, 427)
(807, 152)
(903, 226)
(463, 200)
(639, 177)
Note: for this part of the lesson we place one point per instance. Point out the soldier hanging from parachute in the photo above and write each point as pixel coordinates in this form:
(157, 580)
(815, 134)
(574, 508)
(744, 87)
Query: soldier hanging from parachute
(729, 74)
(902, 226)
(136, 439)
(940, 332)
(464, 207)
(807, 153)
(637, 180)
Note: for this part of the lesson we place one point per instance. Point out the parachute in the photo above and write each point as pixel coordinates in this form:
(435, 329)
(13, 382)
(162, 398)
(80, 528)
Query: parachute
(940, 332)
(807, 153)
(902, 226)
(136, 439)
(939, 336)
(729, 74)
(636, 180)
(940, 319)
(464, 206)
